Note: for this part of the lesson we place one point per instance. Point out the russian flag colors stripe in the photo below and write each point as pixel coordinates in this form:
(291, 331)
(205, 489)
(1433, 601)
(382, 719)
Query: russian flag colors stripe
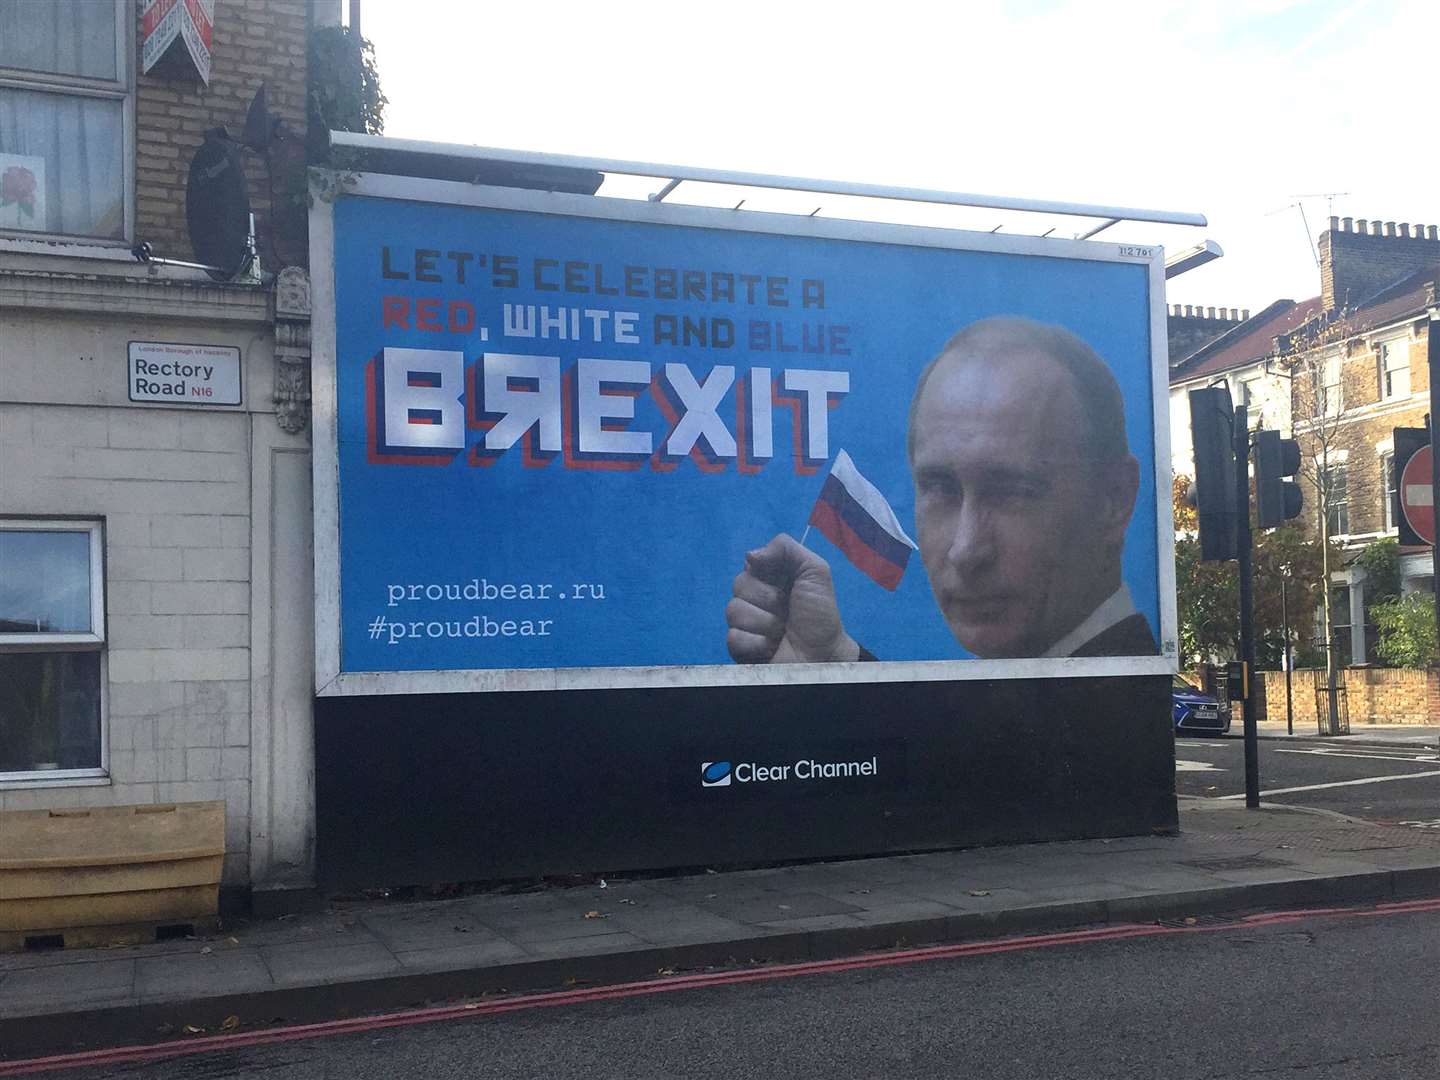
(854, 516)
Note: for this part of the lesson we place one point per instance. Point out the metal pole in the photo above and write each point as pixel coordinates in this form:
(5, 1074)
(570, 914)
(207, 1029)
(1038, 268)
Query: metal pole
(1285, 620)
(1241, 434)
(1433, 357)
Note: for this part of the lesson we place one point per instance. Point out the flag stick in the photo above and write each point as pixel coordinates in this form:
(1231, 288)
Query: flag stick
(804, 534)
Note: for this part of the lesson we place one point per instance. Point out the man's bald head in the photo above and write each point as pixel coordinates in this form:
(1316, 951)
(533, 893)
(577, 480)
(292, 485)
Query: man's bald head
(989, 341)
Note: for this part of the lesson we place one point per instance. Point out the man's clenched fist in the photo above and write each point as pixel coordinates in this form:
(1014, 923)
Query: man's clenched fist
(784, 610)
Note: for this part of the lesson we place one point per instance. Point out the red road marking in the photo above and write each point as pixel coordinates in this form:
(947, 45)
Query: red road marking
(413, 1017)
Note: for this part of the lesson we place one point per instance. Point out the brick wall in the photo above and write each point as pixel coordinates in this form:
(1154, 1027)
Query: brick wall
(255, 42)
(1376, 695)
(1358, 260)
(173, 491)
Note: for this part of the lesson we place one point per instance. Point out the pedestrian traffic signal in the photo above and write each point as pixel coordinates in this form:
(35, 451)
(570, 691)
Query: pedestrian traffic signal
(1277, 497)
(1211, 417)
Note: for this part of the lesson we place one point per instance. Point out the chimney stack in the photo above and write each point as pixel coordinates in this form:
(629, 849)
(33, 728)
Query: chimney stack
(1355, 265)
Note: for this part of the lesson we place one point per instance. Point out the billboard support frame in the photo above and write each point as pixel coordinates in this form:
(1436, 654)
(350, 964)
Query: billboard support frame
(673, 175)
(331, 680)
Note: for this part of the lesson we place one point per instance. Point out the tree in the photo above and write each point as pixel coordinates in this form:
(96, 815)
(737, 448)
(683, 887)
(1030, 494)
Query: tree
(1407, 630)
(1315, 356)
(1208, 593)
(1284, 555)
(344, 87)
(1380, 560)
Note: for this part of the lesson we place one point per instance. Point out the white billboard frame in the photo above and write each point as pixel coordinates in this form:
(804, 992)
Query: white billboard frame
(332, 681)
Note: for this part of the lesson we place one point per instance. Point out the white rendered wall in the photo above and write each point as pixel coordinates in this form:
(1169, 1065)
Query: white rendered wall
(196, 514)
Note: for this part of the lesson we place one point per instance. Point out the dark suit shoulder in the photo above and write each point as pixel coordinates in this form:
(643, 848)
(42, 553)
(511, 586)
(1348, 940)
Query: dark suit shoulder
(1128, 637)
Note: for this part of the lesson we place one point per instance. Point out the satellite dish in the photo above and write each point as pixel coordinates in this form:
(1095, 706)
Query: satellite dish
(217, 205)
(260, 123)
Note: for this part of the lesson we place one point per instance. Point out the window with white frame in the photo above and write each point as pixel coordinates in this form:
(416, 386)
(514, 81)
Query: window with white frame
(65, 118)
(1337, 499)
(52, 641)
(1245, 393)
(1391, 481)
(1394, 369)
(1332, 397)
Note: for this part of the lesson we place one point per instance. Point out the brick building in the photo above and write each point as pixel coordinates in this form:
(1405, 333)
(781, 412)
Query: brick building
(1359, 361)
(154, 548)
(1348, 365)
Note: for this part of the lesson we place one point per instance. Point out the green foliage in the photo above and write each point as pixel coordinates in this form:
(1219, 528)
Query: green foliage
(1285, 554)
(1208, 597)
(344, 87)
(1381, 562)
(1407, 630)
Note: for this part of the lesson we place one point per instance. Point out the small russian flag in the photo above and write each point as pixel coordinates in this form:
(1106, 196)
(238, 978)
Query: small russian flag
(854, 516)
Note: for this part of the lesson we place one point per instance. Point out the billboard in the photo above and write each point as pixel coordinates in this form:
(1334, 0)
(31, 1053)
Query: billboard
(568, 442)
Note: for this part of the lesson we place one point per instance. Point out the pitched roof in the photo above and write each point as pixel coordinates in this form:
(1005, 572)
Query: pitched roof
(1410, 295)
(1254, 339)
(1248, 343)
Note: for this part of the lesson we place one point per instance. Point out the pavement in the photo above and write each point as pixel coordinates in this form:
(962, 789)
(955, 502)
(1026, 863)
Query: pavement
(364, 956)
(1360, 734)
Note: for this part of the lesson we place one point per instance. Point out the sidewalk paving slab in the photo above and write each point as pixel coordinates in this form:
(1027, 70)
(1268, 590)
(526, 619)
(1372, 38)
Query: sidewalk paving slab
(364, 956)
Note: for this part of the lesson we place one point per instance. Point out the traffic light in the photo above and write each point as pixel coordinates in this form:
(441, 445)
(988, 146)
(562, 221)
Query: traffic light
(1211, 417)
(1277, 498)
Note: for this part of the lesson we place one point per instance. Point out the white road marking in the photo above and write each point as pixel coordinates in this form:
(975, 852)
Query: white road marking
(1339, 783)
(1363, 756)
(1196, 766)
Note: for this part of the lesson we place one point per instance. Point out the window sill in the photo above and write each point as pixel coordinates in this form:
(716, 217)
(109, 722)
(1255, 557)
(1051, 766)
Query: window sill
(105, 250)
(71, 778)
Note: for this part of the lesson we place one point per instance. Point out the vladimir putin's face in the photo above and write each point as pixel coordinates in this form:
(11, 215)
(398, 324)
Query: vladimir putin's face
(1019, 531)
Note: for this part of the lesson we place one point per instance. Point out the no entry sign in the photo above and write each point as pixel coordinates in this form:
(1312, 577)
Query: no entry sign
(1417, 501)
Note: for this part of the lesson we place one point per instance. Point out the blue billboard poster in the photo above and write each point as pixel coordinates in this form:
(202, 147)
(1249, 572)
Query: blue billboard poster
(568, 442)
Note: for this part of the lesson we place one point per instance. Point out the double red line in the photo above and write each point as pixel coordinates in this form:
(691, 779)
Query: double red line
(671, 984)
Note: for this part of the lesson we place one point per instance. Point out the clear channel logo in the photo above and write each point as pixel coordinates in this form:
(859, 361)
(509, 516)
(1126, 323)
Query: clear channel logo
(722, 773)
(715, 774)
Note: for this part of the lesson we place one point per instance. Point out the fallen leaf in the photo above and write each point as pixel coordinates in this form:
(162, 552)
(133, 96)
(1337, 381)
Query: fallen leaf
(191, 1029)
(206, 951)
(1190, 920)
(233, 941)
(783, 907)
(627, 900)
(665, 971)
(604, 884)
(595, 915)
(978, 892)
(230, 1023)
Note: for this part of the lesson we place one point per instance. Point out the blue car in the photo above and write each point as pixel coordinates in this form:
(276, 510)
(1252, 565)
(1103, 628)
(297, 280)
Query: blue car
(1196, 712)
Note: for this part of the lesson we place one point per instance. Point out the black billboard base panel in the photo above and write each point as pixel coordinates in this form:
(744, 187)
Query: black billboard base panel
(417, 790)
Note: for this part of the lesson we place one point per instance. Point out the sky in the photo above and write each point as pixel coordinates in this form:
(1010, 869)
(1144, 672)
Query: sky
(1247, 112)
